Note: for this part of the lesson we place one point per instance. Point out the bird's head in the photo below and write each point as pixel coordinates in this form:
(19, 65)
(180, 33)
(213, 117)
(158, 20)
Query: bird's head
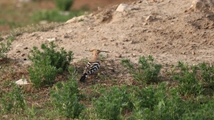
(96, 51)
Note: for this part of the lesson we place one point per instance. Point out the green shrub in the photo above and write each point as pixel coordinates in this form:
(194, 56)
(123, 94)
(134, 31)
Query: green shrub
(42, 73)
(146, 72)
(200, 112)
(65, 97)
(47, 63)
(4, 48)
(13, 101)
(59, 59)
(188, 82)
(63, 5)
(154, 103)
(113, 103)
(207, 74)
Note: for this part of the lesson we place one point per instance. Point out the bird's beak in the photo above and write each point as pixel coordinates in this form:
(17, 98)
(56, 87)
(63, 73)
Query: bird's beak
(104, 51)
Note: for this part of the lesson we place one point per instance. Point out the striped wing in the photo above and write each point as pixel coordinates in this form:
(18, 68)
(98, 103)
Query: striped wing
(91, 68)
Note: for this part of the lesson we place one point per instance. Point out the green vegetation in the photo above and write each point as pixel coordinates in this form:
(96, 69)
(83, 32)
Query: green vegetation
(146, 72)
(65, 97)
(55, 15)
(64, 5)
(188, 82)
(13, 101)
(113, 103)
(47, 63)
(187, 95)
(4, 48)
(32, 13)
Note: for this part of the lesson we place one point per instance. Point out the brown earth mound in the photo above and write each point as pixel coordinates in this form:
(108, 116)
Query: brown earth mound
(167, 30)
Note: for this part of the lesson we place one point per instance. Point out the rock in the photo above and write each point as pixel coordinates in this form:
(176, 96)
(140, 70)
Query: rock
(5, 117)
(24, 85)
(122, 7)
(118, 55)
(149, 18)
(21, 82)
(52, 39)
(104, 44)
(202, 5)
(193, 53)
(76, 19)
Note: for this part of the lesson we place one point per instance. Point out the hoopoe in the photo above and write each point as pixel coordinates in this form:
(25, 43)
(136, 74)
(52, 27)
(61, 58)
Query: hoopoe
(93, 65)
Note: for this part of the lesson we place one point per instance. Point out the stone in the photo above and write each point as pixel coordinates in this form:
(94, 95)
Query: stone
(25, 85)
(122, 7)
(202, 5)
(21, 82)
(76, 19)
(118, 55)
(149, 18)
(52, 39)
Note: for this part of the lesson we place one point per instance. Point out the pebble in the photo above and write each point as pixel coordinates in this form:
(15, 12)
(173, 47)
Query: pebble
(66, 36)
(149, 18)
(134, 55)
(104, 44)
(52, 39)
(193, 53)
(118, 56)
(125, 40)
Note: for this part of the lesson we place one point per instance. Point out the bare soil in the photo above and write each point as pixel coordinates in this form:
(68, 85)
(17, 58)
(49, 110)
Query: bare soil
(172, 35)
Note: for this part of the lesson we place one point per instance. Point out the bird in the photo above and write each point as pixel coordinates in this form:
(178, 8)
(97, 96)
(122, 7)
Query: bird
(93, 65)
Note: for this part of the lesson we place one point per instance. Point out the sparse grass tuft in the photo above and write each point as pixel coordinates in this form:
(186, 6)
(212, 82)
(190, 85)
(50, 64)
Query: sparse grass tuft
(146, 72)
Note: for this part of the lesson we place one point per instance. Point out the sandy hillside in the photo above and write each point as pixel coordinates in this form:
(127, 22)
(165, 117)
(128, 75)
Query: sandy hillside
(171, 34)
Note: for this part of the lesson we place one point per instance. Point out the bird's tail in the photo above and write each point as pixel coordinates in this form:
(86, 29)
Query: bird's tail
(82, 79)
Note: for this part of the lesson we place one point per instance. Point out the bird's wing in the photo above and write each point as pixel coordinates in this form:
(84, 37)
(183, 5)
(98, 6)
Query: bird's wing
(91, 68)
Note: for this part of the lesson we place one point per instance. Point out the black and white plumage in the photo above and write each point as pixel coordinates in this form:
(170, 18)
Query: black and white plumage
(91, 68)
(93, 65)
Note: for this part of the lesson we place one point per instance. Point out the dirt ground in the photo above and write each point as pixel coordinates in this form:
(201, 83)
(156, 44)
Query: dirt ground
(171, 34)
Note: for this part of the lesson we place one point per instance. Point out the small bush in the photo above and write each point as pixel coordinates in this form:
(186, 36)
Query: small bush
(207, 74)
(113, 103)
(146, 72)
(188, 82)
(65, 97)
(47, 63)
(13, 101)
(154, 103)
(59, 59)
(63, 5)
(4, 48)
(200, 112)
(42, 73)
